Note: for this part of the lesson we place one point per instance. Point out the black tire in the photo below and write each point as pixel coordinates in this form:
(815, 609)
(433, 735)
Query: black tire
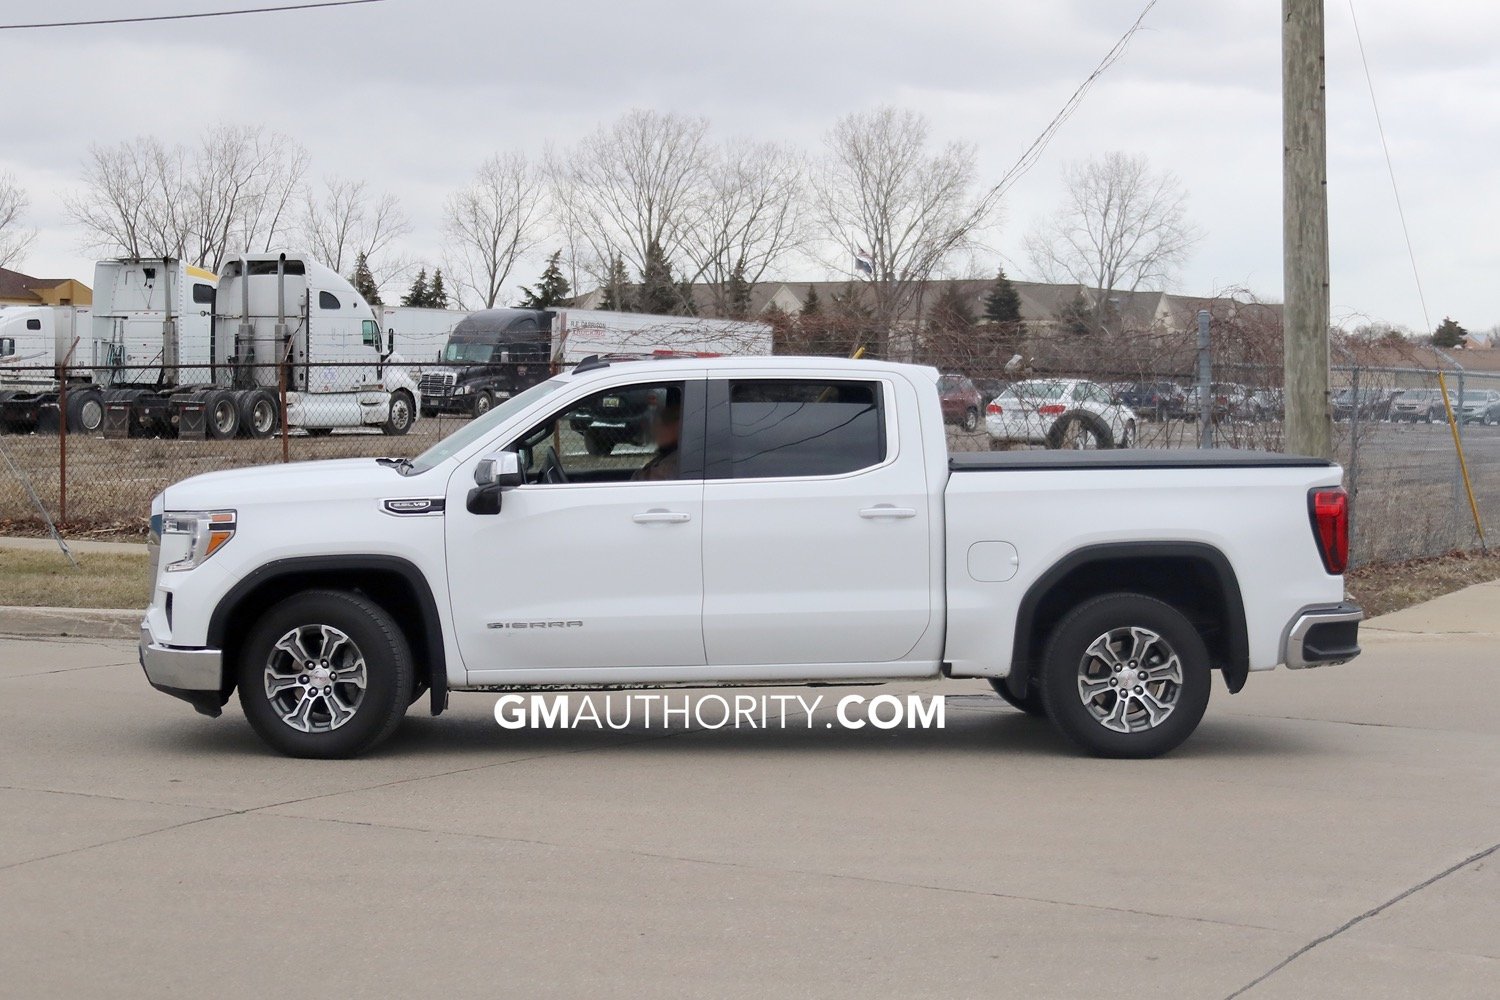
(1069, 664)
(221, 415)
(260, 413)
(374, 714)
(401, 415)
(597, 444)
(1031, 703)
(429, 411)
(85, 411)
(1077, 429)
(971, 420)
(482, 404)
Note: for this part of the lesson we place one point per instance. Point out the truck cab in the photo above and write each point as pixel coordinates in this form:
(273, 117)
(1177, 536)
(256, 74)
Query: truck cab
(490, 356)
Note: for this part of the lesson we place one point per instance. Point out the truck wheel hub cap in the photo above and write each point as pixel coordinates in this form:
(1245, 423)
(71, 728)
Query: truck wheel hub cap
(1130, 679)
(315, 678)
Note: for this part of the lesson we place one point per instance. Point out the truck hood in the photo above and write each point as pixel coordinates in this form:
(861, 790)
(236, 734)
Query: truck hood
(337, 479)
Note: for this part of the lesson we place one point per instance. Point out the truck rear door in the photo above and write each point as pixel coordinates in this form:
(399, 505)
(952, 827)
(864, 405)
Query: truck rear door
(815, 532)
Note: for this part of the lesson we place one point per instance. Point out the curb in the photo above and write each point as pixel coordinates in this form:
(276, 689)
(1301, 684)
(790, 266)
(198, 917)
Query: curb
(80, 623)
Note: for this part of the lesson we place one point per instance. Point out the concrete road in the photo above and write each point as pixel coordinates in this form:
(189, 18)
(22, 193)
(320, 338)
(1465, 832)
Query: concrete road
(1329, 834)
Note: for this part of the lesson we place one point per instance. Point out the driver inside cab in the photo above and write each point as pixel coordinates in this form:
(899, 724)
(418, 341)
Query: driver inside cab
(666, 432)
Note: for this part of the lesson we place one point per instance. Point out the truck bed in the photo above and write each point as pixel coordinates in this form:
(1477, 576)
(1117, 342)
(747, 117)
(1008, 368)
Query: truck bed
(1140, 458)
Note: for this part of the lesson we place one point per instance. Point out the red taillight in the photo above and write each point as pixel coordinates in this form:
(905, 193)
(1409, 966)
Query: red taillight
(1329, 510)
(1051, 409)
(994, 408)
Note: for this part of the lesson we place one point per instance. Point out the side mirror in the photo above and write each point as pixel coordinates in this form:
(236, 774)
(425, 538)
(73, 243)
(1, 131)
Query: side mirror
(390, 341)
(492, 477)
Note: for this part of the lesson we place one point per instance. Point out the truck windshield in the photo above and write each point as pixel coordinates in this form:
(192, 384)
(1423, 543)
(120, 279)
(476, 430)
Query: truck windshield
(478, 428)
(471, 352)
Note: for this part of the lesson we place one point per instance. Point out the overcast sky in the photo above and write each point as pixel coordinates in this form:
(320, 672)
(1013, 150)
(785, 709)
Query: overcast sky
(411, 94)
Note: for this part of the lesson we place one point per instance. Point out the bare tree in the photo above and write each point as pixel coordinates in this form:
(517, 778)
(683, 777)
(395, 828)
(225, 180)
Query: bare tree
(492, 223)
(15, 237)
(230, 192)
(345, 220)
(629, 185)
(750, 216)
(1122, 226)
(896, 208)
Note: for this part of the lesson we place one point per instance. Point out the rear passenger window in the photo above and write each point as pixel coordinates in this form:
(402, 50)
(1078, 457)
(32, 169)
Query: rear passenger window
(773, 428)
(327, 300)
(203, 295)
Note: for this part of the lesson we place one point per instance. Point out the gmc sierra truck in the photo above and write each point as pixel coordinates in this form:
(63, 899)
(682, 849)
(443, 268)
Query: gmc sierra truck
(790, 521)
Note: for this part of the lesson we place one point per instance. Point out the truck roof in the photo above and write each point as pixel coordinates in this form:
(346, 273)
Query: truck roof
(842, 366)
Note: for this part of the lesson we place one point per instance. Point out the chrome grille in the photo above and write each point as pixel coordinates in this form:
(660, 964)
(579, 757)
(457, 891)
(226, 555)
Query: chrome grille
(436, 383)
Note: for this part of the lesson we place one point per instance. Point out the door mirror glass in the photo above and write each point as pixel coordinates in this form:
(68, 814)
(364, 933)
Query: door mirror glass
(501, 470)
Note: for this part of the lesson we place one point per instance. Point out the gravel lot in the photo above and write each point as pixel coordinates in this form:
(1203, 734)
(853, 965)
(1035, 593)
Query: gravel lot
(1340, 818)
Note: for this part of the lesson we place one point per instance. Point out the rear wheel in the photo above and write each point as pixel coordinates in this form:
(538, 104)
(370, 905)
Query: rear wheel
(1080, 431)
(260, 413)
(85, 411)
(325, 674)
(221, 415)
(1125, 675)
(1030, 703)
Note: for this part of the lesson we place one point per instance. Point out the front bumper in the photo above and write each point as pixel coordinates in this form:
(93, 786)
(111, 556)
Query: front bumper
(194, 675)
(1322, 636)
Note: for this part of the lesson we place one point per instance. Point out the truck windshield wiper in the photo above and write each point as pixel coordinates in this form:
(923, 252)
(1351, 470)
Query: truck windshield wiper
(401, 465)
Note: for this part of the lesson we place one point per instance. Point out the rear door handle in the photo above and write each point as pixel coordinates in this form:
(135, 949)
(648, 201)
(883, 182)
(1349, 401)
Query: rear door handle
(886, 512)
(658, 516)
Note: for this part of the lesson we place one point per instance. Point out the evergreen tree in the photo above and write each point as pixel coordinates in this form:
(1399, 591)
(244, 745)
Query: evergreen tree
(417, 294)
(1448, 333)
(1076, 317)
(658, 293)
(810, 303)
(1002, 304)
(951, 311)
(618, 295)
(437, 292)
(364, 282)
(553, 288)
(737, 293)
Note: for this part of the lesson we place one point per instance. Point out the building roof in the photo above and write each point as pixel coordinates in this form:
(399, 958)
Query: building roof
(22, 288)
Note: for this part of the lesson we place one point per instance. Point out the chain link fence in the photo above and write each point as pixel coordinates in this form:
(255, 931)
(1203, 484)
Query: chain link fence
(91, 456)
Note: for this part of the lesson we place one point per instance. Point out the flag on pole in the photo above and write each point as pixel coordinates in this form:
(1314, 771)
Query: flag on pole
(864, 261)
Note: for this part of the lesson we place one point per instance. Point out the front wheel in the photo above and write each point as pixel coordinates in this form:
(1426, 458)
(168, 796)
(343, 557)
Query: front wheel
(399, 420)
(325, 674)
(1126, 675)
(482, 404)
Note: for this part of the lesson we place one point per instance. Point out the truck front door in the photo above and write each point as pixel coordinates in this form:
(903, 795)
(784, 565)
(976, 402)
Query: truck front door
(816, 545)
(596, 561)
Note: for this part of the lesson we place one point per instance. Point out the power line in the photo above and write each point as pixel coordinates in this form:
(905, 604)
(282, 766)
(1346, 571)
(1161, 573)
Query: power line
(1390, 168)
(188, 17)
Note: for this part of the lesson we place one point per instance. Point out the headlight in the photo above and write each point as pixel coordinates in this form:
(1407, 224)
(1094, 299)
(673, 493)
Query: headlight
(207, 532)
(462, 390)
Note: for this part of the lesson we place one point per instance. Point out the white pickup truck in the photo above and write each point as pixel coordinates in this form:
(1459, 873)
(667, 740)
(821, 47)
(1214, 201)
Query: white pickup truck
(791, 521)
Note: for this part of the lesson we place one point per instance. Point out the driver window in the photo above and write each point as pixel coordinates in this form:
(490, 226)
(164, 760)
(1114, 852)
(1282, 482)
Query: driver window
(628, 433)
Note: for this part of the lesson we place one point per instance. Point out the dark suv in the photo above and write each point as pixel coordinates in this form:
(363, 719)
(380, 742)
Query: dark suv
(1155, 400)
(1374, 403)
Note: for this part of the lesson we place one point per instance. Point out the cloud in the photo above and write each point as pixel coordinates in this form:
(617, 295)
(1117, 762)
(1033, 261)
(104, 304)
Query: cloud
(411, 94)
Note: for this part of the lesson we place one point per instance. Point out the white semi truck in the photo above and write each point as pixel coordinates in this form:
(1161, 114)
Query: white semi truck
(168, 342)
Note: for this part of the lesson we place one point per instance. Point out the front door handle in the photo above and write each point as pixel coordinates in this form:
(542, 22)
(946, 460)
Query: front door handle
(886, 512)
(659, 516)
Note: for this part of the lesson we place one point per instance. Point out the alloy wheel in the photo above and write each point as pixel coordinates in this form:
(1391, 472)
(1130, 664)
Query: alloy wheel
(1130, 679)
(315, 678)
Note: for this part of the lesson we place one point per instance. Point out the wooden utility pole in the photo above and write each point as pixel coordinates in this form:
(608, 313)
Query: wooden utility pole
(1309, 425)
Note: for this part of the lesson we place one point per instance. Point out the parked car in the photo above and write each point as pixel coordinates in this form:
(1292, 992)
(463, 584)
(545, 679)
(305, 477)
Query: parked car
(1228, 401)
(1060, 413)
(1480, 406)
(1374, 403)
(814, 531)
(1154, 400)
(1425, 405)
(1265, 404)
(961, 401)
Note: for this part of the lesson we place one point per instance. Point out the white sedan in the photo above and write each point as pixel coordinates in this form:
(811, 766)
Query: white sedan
(1060, 413)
